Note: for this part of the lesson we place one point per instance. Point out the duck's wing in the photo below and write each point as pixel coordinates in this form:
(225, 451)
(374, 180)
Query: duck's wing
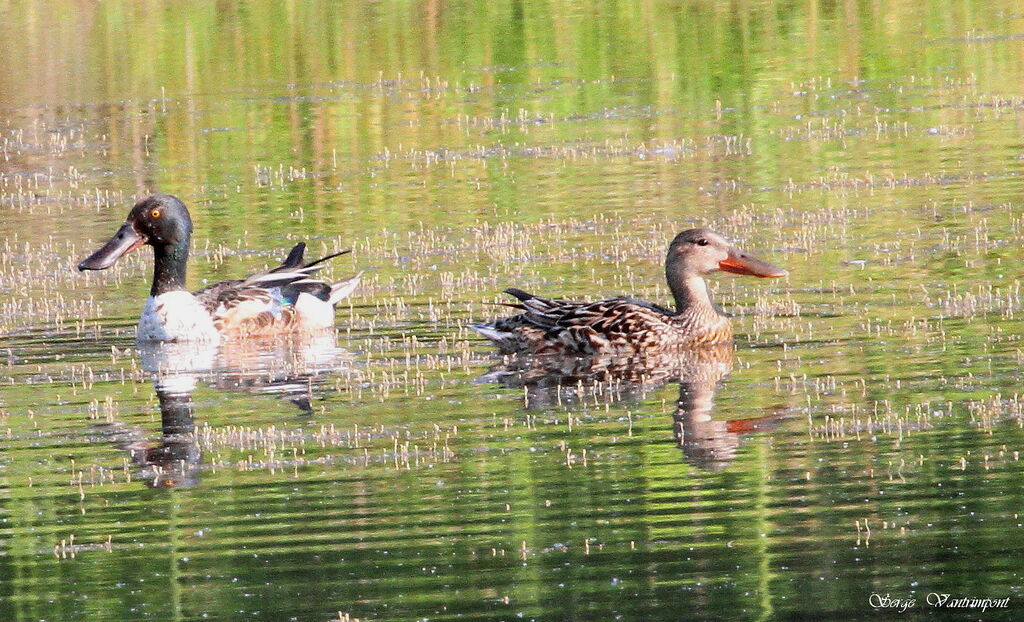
(330, 293)
(579, 327)
(609, 315)
(269, 298)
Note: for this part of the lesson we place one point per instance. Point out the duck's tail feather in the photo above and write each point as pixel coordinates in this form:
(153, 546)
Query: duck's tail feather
(328, 257)
(518, 293)
(293, 270)
(342, 289)
(294, 259)
(492, 332)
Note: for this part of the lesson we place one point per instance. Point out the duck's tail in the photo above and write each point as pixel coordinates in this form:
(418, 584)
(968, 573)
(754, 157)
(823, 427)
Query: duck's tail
(492, 332)
(295, 276)
(343, 288)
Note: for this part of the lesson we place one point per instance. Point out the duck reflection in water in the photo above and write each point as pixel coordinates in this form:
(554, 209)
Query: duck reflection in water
(707, 442)
(288, 368)
(548, 381)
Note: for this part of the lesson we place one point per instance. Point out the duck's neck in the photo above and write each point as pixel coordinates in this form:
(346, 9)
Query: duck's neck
(169, 264)
(692, 295)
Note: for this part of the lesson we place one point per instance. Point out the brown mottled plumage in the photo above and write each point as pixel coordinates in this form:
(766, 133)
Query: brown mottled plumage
(264, 304)
(626, 325)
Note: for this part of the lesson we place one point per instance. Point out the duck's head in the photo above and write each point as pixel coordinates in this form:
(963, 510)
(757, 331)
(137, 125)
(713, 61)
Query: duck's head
(697, 252)
(159, 220)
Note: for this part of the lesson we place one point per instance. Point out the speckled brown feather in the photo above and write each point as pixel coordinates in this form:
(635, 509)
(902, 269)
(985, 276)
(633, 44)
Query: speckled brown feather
(619, 325)
(626, 326)
(250, 307)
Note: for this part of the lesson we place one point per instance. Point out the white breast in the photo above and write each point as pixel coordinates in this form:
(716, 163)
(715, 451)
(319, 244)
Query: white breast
(175, 316)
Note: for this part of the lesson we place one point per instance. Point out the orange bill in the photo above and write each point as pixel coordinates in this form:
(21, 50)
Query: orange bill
(741, 263)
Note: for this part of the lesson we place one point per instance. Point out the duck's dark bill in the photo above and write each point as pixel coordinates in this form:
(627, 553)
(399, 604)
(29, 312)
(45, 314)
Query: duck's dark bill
(742, 263)
(124, 241)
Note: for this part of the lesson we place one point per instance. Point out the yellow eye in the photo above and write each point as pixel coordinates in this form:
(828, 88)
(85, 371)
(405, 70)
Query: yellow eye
(154, 213)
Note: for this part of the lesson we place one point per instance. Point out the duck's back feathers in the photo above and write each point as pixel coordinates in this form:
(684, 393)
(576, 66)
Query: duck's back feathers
(284, 299)
(565, 327)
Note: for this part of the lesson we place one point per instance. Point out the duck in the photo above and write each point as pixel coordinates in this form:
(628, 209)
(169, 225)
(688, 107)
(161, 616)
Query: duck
(627, 326)
(283, 300)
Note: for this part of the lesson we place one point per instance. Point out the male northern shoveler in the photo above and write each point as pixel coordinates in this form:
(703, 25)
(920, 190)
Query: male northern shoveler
(628, 326)
(283, 300)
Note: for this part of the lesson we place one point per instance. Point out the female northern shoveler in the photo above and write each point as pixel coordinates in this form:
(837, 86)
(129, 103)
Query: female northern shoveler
(628, 326)
(285, 299)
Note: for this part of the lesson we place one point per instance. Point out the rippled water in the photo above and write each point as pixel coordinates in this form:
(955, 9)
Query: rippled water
(863, 437)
